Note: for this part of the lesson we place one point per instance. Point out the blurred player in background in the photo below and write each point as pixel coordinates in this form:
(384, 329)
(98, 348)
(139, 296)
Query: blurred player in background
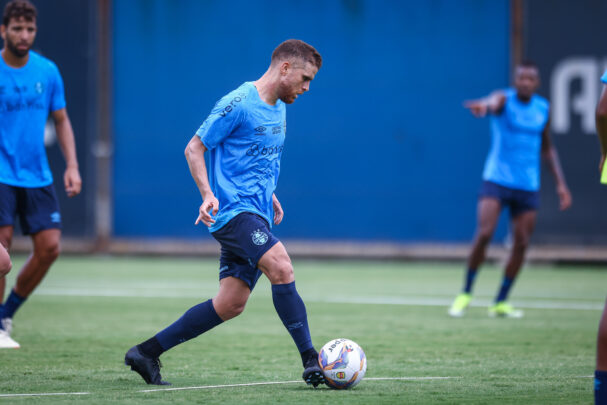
(30, 88)
(511, 178)
(600, 374)
(244, 136)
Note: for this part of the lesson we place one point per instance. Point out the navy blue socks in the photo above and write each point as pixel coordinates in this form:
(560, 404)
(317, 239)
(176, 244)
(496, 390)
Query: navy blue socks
(600, 387)
(470, 277)
(197, 320)
(12, 304)
(502, 295)
(292, 313)
(202, 317)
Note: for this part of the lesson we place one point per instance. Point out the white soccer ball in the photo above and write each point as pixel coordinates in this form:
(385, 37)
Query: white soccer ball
(343, 363)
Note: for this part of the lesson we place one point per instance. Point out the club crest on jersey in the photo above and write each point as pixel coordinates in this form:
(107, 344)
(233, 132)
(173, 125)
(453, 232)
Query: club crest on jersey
(259, 238)
(39, 87)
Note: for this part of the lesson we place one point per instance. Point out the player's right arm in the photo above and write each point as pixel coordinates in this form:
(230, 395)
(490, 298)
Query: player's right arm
(194, 154)
(601, 125)
(493, 104)
(225, 116)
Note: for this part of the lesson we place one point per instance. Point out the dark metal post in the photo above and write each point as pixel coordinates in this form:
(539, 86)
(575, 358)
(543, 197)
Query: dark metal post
(516, 32)
(103, 148)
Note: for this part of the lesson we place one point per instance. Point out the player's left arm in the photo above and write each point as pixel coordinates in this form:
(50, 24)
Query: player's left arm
(278, 212)
(65, 136)
(551, 156)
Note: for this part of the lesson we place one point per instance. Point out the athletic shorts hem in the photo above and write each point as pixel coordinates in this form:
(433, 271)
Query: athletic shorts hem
(40, 229)
(518, 201)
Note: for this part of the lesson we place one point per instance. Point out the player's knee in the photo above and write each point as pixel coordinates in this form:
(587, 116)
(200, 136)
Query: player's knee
(484, 236)
(230, 310)
(282, 272)
(5, 267)
(521, 242)
(49, 252)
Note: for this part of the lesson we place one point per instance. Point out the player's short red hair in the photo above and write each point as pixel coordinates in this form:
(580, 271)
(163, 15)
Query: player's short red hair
(298, 49)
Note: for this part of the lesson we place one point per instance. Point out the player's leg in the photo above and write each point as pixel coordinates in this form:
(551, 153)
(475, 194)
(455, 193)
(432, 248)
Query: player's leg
(600, 375)
(276, 265)
(6, 342)
(488, 212)
(8, 212)
(522, 228)
(228, 303)
(46, 251)
(38, 210)
(6, 238)
(237, 280)
(5, 262)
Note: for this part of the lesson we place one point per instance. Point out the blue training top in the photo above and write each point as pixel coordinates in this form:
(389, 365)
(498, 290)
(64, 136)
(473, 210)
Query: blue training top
(245, 138)
(516, 140)
(27, 95)
(604, 78)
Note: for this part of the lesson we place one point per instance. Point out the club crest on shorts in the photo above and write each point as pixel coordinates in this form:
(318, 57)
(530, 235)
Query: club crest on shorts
(259, 238)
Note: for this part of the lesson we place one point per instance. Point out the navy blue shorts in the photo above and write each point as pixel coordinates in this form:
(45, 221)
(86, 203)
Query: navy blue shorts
(244, 240)
(518, 201)
(37, 208)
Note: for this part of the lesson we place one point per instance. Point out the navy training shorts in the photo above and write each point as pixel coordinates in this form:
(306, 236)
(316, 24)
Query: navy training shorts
(37, 208)
(244, 240)
(517, 201)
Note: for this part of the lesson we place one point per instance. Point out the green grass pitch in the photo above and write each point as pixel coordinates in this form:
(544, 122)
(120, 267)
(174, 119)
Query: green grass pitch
(75, 330)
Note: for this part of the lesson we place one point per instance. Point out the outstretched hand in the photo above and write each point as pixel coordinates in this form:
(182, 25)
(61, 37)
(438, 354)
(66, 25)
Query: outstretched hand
(478, 108)
(209, 204)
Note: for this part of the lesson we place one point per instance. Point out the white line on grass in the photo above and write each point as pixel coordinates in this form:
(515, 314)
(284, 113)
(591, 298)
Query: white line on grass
(381, 300)
(44, 394)
(206, 387)
(445, 302)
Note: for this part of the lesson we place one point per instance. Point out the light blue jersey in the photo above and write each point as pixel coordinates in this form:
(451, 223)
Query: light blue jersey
(27, 96)
(245, 138)
(604, 78)
(516, 141)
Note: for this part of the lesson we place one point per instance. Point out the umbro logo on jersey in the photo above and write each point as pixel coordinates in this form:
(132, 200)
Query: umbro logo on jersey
(260, 129)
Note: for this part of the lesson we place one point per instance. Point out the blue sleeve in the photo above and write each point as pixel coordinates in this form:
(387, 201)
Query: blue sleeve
(225, 117)
(604, 78)
(57, 101)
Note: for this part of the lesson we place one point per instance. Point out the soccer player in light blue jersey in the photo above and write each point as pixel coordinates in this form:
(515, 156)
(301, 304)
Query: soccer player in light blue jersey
(31, 88)
(600, 374)
(244, 139)
(520, 122)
